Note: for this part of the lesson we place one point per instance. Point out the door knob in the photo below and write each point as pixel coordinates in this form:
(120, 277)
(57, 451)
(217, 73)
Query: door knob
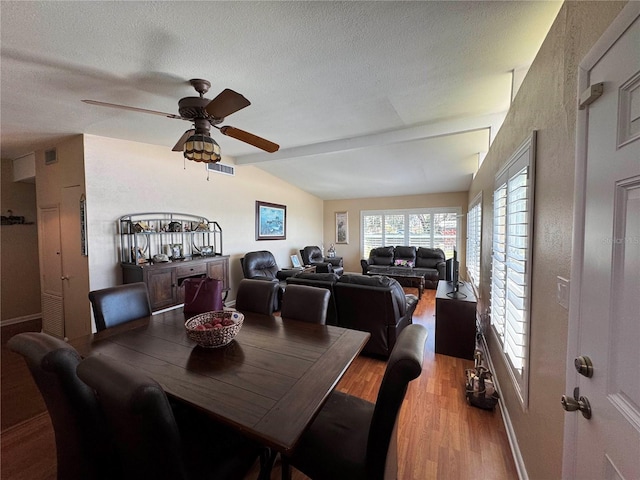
(571, 404)
(584, 366)
(64, 277)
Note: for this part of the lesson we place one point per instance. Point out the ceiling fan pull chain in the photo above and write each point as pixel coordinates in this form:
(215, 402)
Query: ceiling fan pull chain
(207, 169)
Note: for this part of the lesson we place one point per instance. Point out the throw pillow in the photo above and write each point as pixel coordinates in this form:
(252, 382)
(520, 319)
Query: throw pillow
(403, 263)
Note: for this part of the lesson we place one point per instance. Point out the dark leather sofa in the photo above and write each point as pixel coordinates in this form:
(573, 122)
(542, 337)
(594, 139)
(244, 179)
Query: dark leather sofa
(374, 304)
(429, 262)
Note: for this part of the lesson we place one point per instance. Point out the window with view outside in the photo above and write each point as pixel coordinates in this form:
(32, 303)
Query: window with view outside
(511, 262)
(431, 228)
(474, 240)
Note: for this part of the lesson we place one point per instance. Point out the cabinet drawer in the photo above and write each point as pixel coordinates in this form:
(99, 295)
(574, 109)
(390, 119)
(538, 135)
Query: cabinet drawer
(188, 270)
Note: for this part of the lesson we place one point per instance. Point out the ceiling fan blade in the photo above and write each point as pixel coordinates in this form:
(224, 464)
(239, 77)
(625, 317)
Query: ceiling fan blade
(226, 103)
(133, 109)
(250, 138)
(178, 147)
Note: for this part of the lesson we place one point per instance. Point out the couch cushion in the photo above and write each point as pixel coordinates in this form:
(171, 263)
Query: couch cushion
(429, 257)
(405, 253)
(381, 256)
(368, 280)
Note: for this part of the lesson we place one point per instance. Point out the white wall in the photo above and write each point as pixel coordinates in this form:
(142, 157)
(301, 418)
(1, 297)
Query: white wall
(125, 177)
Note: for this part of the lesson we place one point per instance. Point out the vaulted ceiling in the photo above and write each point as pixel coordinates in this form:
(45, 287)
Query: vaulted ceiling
(366, 99)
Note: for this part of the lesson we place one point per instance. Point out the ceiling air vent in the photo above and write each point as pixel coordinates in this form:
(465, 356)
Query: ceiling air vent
(50, 156)
(221, 168)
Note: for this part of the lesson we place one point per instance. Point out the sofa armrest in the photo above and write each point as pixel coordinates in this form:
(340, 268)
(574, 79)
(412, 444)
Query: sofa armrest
(335, 261)
(364, 263)
(323, 267)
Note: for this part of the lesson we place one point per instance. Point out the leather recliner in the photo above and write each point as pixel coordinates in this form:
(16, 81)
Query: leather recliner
(312, 255)
(261, 265)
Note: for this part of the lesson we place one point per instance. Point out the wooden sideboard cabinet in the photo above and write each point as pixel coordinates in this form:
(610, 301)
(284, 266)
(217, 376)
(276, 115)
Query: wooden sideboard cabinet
(455, 321)
(165, 280)
(162, 249)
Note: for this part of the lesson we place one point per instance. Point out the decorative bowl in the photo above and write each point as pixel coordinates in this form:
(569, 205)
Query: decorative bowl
(204, 330)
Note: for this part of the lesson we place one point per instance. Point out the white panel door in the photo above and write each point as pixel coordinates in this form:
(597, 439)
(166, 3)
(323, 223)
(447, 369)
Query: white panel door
(606, 301)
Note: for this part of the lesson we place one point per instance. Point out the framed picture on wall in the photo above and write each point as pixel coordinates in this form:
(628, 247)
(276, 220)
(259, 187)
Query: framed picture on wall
(342, 227)
(271, 221)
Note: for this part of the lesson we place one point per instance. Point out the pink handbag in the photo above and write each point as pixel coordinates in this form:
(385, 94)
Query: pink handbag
(202, 295)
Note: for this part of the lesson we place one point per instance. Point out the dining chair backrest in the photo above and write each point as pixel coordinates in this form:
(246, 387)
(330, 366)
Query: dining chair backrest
(120, 304)
(257, 296)
(403, 366)
(305, 303)
(160, 440)
(140, 418)
(84, 449)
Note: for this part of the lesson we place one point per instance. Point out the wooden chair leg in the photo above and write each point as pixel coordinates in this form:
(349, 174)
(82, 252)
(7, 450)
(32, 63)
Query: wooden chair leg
(267, 459)
(286, 468)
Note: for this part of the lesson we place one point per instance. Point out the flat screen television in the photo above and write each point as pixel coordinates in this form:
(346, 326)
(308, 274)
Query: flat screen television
(453, 274)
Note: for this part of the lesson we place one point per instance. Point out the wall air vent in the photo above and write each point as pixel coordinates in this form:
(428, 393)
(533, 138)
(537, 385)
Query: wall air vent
(50, 156)
(221, 168)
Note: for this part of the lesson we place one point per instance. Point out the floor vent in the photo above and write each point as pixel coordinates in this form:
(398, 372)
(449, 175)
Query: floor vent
(221, 168)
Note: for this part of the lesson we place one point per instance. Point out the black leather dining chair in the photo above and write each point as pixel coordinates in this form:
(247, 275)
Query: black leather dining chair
(256, 296)
(352, 439)
(150, 441)
(120, 304)
(308, 304)
(84, 449)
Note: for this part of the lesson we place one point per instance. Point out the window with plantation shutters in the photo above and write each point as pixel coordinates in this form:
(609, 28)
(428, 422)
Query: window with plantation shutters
(511, 262)
(427, 227)
(474, 240)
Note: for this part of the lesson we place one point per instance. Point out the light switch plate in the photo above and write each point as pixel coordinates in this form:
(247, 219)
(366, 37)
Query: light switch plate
(563, 292)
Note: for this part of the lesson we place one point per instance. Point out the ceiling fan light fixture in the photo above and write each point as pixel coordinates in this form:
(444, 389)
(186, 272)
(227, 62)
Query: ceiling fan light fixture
(202, 148)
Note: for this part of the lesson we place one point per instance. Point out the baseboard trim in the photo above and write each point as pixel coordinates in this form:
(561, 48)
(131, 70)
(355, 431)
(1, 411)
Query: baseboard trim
(506, 419)
(26, 318)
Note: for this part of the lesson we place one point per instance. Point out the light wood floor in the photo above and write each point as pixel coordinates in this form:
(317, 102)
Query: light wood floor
(439, 435)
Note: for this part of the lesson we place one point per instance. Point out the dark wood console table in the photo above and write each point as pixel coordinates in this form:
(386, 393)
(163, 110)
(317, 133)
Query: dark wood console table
(164, 280)
(455, 321)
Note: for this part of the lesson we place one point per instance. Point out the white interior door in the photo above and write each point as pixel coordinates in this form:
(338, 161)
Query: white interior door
(605, 301)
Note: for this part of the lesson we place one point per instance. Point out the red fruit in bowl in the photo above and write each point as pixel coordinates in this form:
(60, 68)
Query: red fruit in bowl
(227, 321)
(209, 325)
(199, 327)
(216, 320)
(217, 325)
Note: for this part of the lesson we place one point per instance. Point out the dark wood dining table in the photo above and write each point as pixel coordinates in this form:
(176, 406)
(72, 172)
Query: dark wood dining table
(268, 383)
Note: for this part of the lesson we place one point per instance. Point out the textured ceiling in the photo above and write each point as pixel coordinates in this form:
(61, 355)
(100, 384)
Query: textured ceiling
(401, 96)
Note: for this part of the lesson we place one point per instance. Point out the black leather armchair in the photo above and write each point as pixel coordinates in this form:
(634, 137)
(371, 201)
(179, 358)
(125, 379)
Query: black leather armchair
(312, 255)
(261, 265)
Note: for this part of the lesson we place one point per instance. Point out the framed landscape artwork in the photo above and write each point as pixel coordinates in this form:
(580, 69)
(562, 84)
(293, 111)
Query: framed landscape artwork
(271, 221)
(342, 227)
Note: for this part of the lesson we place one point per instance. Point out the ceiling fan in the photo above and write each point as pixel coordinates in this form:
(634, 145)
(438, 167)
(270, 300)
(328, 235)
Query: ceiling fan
(196, 143)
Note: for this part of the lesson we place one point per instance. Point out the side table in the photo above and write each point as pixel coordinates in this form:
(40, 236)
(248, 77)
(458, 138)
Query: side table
(455, 321)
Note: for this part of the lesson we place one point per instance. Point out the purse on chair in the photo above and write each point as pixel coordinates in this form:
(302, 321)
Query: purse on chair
(202, 295)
